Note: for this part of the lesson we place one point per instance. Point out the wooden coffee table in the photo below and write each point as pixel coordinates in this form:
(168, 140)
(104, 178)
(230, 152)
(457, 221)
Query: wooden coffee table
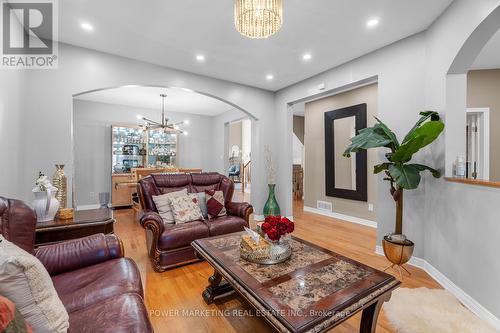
(84, 223)
(313, 291)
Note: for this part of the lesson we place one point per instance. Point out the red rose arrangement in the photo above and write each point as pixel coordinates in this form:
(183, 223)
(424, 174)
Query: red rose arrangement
(276, 226)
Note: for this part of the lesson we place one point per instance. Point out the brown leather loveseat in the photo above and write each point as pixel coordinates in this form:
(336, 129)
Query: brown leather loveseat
(101, 290)
(169, 245)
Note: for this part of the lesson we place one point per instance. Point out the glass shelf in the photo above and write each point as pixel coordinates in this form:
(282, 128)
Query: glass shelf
(157, 148)
(132, 155)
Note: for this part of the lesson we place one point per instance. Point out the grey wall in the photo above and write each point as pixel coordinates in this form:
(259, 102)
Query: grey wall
(456, 214)
(299, 127)
(400, 72)
(314, 176)
(47, 103)
(483, 90)
(92, 132)
(235, 135)
(11, 117)
(455, 226)
(220, 143)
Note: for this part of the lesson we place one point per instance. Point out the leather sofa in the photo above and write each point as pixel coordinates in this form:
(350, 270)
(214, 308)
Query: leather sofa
(169, 245)
(100, 289)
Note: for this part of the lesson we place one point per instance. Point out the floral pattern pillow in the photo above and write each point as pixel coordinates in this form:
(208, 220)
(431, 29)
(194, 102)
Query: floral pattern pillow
(164, 205)
(186, 208)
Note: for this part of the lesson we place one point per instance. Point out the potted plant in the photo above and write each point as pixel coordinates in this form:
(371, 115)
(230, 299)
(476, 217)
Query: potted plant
(400, 172)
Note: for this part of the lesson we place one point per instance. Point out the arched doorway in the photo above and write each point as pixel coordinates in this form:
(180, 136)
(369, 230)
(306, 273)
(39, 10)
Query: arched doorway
(456, 87)
(95, 163)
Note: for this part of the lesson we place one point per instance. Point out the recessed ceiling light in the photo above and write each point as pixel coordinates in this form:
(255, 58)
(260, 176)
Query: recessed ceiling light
(372, 23)
(87, 26)
(200, 57)
(269, 77)
(307, 57)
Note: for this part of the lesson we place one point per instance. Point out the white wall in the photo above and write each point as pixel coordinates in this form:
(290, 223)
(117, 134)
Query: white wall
(47, 100)
(92, 133)
(11, 117)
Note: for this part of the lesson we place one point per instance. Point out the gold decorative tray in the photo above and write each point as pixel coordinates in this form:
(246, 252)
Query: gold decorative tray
(265, 253)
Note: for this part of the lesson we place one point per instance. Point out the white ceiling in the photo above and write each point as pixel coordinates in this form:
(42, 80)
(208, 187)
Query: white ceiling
(489, 57)
(178, 100)
(172, 33)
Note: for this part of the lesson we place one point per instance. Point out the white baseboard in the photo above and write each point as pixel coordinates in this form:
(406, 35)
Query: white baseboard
(348, 218)
(87, 207)
(447, 284)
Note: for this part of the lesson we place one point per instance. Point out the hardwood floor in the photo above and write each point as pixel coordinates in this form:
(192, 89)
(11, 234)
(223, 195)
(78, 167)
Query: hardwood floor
(180, 289)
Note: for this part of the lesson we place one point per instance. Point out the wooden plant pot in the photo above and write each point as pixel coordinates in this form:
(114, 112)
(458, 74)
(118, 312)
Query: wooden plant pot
(397, 253)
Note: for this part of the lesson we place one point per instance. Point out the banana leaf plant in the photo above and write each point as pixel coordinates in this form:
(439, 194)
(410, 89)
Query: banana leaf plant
(399, 171)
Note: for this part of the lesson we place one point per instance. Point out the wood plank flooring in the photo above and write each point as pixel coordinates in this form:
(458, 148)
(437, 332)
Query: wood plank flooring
(174, 297)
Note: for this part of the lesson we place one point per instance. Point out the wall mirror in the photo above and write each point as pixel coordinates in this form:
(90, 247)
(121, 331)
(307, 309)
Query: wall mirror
(345, 177)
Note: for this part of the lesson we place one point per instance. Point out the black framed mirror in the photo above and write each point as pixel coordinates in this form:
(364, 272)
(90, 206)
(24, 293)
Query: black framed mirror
(345, 177)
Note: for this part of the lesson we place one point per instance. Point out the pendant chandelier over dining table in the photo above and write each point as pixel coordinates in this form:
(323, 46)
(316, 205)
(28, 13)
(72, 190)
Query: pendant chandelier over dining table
(258, 18)
(163, 123)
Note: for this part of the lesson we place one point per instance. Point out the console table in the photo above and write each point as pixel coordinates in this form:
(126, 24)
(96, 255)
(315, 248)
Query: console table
(84, 223)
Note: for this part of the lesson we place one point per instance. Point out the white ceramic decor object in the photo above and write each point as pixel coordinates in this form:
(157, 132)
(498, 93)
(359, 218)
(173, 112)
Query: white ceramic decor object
(45, 205)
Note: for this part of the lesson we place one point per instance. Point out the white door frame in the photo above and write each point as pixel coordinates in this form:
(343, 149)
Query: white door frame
(484, 128)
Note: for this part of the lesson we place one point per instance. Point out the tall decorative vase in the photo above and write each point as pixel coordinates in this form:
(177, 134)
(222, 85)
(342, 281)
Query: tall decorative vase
(271, 208)
(59, 180)
(45, 205)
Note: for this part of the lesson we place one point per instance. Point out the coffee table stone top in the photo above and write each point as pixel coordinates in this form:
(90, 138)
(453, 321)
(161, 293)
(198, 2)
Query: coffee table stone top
(313, 282)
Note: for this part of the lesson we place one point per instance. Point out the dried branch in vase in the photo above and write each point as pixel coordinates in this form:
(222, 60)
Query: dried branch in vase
(271, 167)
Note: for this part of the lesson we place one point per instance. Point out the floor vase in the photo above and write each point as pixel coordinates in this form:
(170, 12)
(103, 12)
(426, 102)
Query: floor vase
(271, 208)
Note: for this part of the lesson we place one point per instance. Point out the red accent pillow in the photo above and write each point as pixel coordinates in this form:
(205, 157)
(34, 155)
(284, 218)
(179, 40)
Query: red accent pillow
(215, 203)
(10, 318)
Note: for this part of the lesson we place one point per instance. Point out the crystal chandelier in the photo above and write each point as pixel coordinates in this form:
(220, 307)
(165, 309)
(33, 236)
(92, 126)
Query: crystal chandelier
(258, 18)
(163, 124)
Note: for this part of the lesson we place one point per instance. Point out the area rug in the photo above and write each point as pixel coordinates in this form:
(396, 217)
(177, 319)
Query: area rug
(426, 310)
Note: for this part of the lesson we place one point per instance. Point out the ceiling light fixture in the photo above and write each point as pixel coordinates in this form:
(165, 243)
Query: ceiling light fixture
(258, 18)
(269, 77)
(372, 23)
(87, 26)
(163, 124)
(307, 57)
(200, 57)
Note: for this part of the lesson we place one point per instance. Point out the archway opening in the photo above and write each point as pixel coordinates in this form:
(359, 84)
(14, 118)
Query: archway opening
(112, 148)
(471, 121)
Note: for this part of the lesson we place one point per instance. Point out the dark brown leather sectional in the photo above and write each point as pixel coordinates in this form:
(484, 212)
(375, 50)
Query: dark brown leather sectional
(169, 245)
(101, 290)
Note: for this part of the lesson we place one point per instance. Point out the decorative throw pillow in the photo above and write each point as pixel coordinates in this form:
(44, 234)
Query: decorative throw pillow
(11, 320)
(25, 281)
(215, 203)
(164, 206)
(202, 202)
(186, 208)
